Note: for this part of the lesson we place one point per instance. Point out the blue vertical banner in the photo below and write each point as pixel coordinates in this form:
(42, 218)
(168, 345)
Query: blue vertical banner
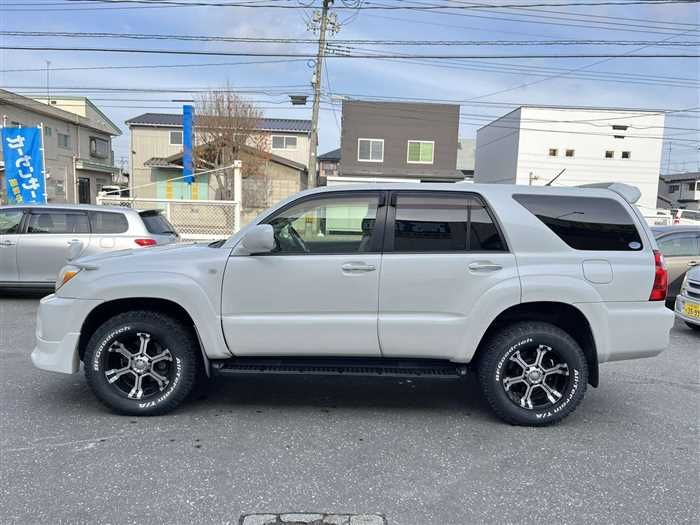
(187, 136)
(24, 165)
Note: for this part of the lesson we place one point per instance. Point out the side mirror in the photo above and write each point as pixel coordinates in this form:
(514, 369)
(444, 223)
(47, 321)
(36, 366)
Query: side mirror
(260, 239)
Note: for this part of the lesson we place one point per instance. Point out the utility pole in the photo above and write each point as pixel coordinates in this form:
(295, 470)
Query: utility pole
(48, 92)
(316, 83)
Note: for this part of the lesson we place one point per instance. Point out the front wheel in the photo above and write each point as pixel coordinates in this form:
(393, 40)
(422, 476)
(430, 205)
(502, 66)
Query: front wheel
(532, 373)
(142, 363)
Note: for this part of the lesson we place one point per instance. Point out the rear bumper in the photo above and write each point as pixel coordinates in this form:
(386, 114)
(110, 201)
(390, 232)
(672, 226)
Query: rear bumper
(58, 324)
(681, 300)
(629, 330)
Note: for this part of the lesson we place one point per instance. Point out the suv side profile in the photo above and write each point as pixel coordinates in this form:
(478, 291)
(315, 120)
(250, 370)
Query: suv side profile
(36, 241)
(532, 288)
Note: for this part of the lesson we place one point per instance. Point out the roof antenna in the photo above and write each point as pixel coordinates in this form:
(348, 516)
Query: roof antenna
(556, 177)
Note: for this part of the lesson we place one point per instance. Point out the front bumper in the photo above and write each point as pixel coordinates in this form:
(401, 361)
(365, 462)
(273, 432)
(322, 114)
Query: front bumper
(682, 300)
(58, 324)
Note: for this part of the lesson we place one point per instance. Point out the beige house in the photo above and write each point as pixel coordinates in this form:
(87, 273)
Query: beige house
(77, 143)
(156, 137)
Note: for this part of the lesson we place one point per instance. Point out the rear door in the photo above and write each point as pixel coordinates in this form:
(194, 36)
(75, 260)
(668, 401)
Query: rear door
(443, 251)
(43, 250)
(108, 232)
(10, 223)
(682, 252)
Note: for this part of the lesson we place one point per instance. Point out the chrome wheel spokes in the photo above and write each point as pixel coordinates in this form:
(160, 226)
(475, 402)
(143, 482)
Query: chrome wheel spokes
(138, 374)
(536, 379)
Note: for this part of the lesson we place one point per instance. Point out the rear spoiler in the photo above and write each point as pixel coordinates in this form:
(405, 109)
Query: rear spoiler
(630, 193)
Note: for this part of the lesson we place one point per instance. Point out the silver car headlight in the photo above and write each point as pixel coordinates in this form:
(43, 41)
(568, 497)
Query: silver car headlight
(684, 286)
(66, 274)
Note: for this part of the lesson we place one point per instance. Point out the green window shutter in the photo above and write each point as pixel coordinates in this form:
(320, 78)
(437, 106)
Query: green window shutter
(426, 152)
(414, 151)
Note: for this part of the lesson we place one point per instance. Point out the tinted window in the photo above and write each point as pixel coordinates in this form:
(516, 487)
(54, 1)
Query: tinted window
(58, 222)
(446, 223)
(9, 221)
(327, 225)
(102, 222)
(679, 245)
(157, 224)
(585, 223)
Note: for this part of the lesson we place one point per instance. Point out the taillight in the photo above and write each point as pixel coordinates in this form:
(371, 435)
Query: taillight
(145, 242)
(676, 220)
(658, 290)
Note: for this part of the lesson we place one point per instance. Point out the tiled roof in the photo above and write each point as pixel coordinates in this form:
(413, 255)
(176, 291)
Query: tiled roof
(174, 120)
(331, 155)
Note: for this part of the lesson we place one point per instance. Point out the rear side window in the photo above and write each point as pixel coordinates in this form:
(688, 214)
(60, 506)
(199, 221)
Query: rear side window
(58, 222)
(680, 245)
(585, 223)
(102, 222)
(157, 224)
(443, 223)
(9, 221)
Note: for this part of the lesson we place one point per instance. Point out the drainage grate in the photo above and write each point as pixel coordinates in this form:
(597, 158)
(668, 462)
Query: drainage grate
(309, 518)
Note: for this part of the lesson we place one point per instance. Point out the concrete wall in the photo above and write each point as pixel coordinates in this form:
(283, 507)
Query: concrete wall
(531, 132)
(396, 124)
(59, 161)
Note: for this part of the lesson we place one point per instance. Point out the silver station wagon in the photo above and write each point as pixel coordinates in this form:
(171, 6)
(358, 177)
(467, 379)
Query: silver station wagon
(36, 241)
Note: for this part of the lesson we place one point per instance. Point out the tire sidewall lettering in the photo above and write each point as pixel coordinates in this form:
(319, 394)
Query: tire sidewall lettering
(511, 350)
(105, 341)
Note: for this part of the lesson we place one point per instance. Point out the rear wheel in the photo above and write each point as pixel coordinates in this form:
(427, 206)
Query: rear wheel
(142, 363)
(532, 373)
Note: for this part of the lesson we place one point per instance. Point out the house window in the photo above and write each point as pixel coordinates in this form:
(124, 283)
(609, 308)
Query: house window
(673, 188)
(99, 148)
(15, 124)
(691, 186)
(570, 153)
(47, 131)
(553, 152)
(284, 142)
(370, 150)
(609, 154)
(176, 138)
(697, 186)
(420, 151)
(626, 155)
(63, 141)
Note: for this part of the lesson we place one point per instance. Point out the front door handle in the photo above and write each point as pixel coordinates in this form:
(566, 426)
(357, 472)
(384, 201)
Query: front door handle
(693, 263)
(357, 267)
(484, 266)
(74, 241)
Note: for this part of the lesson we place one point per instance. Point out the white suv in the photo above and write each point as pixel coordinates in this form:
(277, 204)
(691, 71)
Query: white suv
(532, 288)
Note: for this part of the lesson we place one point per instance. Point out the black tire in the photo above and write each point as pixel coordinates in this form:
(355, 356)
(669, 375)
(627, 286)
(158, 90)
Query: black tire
(695, 327)
(172, 353)
(562, 370)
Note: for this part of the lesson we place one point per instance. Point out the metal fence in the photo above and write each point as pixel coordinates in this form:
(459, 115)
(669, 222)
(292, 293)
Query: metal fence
(193, 219)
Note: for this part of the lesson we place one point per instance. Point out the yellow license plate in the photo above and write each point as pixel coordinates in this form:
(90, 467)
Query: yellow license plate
(691, 310)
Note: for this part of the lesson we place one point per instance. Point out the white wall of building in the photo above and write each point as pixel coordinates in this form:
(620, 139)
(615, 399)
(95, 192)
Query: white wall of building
(529, 133)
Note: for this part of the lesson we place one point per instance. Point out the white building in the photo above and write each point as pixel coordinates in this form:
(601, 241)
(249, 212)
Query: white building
(532, 144)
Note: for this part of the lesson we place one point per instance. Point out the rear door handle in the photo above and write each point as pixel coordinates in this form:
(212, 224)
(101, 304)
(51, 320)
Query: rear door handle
(484, 266)
(74, 241)
(357, 267)
(693, 263)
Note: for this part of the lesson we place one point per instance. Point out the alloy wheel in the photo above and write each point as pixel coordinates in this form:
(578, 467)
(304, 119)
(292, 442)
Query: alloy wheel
(535, 377)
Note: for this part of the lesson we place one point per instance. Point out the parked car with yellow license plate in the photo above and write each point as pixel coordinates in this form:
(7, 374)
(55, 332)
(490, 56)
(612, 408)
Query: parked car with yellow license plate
(688, 301)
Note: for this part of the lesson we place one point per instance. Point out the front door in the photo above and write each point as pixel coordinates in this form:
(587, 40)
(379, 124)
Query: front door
(316, 293)
(10, 220)
(44, 248)
(84, 190)
(443, 253)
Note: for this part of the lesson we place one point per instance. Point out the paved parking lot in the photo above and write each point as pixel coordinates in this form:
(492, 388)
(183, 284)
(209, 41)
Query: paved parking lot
(415, 452)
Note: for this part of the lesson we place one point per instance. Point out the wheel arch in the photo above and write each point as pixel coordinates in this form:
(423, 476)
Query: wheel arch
(109, 309)
(563, 315)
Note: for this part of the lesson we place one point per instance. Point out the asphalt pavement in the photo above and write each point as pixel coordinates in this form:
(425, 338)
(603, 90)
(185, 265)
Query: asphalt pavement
(417, 452)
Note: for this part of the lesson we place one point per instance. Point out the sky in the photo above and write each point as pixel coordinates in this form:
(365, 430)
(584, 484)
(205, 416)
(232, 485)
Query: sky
(126, 85)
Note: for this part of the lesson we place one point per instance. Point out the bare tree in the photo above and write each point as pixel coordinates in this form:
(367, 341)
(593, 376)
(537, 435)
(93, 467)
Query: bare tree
(228, 128)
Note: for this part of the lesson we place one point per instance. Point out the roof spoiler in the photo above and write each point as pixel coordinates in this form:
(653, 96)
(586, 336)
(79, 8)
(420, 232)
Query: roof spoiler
(630, 193)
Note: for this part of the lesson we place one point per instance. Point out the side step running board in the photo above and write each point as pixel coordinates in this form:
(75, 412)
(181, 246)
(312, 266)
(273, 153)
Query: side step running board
(434, 368)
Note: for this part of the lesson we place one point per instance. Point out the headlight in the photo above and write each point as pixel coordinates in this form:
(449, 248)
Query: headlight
(684, 286)
(66, 274)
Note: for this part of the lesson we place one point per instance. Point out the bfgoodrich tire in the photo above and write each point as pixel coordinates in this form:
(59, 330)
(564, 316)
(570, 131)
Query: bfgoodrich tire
(532, 373)
(142, 363)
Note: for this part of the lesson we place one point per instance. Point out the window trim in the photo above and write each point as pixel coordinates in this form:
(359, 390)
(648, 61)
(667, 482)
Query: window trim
(284, 138)
(408, 147)
(370, 149)
(170, 137)
(377, 235)
(388, 245)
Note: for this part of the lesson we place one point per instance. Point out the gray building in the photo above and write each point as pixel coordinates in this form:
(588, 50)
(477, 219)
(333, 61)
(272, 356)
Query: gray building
(680, 190)
(466, 149)
(398, 140)
(77, 144)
